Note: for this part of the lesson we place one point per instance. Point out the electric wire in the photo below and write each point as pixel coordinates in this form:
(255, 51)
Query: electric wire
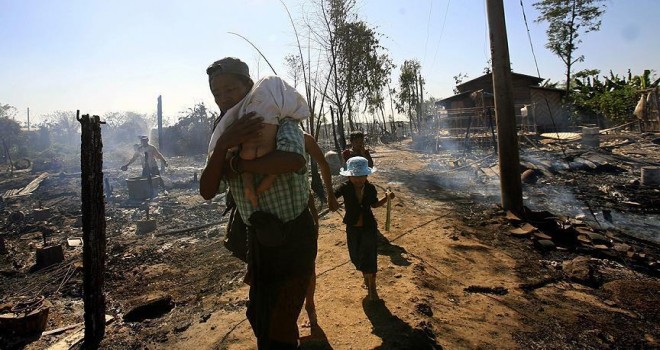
(529, 36)
(442, 30)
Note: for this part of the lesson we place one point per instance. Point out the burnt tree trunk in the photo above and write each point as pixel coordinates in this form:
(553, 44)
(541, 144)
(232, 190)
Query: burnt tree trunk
(338, 147)
(93, 219)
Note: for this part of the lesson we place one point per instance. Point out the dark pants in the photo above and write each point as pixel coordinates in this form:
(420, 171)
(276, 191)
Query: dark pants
(362, 248)
(154, 171)
(280, 277)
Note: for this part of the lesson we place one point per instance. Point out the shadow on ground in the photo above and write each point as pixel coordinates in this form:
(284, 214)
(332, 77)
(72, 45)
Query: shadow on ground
(395, 333)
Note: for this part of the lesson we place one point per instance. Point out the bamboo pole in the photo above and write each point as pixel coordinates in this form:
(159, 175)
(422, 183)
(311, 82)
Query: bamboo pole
(388, 215)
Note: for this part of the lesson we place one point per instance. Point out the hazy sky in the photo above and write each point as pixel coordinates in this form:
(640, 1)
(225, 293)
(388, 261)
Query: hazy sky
(111, 56)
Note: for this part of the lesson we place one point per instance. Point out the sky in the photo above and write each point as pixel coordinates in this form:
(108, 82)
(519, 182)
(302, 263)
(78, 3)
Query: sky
(114, 56)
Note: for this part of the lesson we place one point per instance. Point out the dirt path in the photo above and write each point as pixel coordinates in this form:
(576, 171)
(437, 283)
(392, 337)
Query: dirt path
(449, 277)
(425, 261)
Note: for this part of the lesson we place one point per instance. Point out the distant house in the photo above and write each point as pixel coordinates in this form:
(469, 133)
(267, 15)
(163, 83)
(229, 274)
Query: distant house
(537, 108)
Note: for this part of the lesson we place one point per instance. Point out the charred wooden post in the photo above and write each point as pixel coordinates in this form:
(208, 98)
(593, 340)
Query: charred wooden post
(3, 246)
(93, 220)
(108, 189)
(159, 113)
(507, 135)
(148, 171)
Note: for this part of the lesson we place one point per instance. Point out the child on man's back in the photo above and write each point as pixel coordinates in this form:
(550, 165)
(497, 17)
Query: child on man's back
(272, 99)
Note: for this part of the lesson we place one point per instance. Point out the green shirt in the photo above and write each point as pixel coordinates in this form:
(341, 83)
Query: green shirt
(287, 197)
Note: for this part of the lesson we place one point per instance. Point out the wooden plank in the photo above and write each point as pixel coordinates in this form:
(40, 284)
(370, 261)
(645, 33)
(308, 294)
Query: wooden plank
(74, 338)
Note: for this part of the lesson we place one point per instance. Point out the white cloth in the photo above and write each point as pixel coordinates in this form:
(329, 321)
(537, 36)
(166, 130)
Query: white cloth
(270, 98)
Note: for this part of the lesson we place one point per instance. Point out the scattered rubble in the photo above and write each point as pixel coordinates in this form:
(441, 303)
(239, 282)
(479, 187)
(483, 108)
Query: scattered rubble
(591, 220)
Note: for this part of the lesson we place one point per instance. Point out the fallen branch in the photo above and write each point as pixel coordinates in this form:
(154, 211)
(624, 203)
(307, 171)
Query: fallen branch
(63, 329)
(486, 290)
(528, 287)
(183, 230)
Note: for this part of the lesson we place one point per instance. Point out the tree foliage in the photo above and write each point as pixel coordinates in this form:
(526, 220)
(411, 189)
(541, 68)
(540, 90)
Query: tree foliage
(64, 128)
(10, 131)
(7, 111)
(294, 68)
(192, 132)
(122, 128)
(357, 65)
(458, 80)
(409, 97)
(610, 99)
(567, 21)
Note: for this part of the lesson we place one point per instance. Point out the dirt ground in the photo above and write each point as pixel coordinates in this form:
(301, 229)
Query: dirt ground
(450, 275)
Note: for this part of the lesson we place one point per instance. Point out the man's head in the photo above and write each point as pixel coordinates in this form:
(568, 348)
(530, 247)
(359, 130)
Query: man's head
(229, 79)
(357, 139)
(144, 140)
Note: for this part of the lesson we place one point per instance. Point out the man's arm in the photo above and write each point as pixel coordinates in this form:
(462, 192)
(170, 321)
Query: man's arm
(345, 154)
(158, 155)
(370, 161)
(135, 157)
(382, 202)
(273, 163)
(209, 180)
(315, 151)
(217, 165)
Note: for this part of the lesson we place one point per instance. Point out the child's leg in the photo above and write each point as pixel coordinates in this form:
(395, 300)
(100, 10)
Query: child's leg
(310, 306)
(369, 253)
(265, 183)
(371, 286)
(248, 188)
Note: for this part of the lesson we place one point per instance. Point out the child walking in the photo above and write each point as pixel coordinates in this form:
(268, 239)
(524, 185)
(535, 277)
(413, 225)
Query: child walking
(361, 227)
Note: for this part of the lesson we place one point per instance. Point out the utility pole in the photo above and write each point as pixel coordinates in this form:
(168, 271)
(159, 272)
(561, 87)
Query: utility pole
(28, 115)
(160, 123)
(507, 136)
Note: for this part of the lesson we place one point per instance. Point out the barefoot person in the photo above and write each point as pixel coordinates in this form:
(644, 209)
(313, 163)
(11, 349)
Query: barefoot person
(314, 150)
(282, 238)
(361, 227)
(148, 154)
(316, 153)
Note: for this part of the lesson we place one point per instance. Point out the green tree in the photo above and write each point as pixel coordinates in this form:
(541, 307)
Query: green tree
(192, 132)
(458, 80)
(410, 95)
(358, 67)
(610, 99)
(7, 111)
(567, 21)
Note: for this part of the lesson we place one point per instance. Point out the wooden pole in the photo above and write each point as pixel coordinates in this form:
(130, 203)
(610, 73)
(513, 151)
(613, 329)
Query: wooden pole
(388, 214)
(160, 123)
(509, 159)
(93, 219)
(28, 117)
